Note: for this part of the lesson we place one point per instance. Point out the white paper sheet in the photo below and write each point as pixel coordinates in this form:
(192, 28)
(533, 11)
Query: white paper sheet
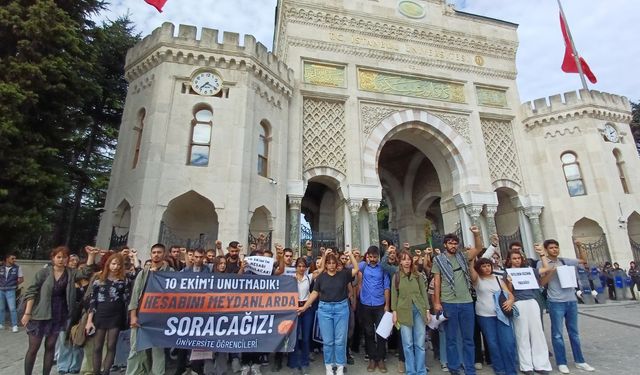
(385, 325)
(567, 276)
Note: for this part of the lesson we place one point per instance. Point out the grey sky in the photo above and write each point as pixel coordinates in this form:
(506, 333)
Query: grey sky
(606, 34)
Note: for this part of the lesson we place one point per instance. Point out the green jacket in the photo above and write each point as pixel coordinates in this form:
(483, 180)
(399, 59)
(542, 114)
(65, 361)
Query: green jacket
(410, 290)
(138, 286)
(42, 288)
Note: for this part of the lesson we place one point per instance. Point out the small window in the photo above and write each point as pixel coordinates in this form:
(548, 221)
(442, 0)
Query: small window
(620, 164)
(263, 149)
(572, 174)
(200, 137)
(138, 129)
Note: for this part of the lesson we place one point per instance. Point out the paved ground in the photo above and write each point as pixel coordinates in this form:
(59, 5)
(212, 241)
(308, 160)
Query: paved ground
(610, 341)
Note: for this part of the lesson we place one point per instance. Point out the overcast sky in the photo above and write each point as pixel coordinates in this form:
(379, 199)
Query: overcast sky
(606, 33)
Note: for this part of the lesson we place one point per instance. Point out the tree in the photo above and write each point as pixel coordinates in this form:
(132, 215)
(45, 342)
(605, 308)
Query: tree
(61, 95)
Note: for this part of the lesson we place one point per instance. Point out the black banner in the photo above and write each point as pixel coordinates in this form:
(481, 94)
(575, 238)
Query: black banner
(218, 312)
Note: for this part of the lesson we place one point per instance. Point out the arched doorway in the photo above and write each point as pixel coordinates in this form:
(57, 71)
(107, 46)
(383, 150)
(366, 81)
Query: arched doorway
(590, 233)
(323, 209)
(190, 220)
(444, 158)
(633, 229)
(507, 219)
(412, 189)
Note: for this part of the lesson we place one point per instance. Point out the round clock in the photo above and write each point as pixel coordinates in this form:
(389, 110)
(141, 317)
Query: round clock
(206, 83)
(610, 133)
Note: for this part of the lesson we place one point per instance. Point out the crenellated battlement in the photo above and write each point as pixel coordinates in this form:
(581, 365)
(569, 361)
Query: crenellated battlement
(186, 38)
(574, 104)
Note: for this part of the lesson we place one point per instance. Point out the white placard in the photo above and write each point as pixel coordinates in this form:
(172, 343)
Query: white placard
(567, 276)
(198, 355)
(290, 271)
(260, 265)
(523, 278)
(385, 325)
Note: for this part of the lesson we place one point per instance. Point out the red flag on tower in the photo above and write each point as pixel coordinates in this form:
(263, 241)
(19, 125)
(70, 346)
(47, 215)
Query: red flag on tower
(569, 62)
(158, 4)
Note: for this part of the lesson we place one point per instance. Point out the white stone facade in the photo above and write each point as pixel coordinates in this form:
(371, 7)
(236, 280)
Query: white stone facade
(407, 100)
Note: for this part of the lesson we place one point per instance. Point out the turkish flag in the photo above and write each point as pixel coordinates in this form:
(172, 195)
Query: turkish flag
(158, 4)
(569, 61)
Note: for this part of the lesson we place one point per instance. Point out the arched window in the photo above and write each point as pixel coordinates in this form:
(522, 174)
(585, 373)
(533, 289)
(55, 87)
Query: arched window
(138, 129)
(572, 174)
(621, 167)
(200, 137)
(263, 149)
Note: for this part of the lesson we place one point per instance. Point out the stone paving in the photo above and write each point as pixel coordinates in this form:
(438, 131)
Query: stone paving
(610, 340)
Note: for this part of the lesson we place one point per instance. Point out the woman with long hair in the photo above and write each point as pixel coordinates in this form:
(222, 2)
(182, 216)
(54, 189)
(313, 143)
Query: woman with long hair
(108, 311)
(299, 358)
(410, 306)
(48, 303)
(331, 287)
(219, 264)
(497, 331)
(533, 353)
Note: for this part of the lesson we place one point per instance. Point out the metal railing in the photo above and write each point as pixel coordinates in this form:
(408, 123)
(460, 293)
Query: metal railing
(597, 251)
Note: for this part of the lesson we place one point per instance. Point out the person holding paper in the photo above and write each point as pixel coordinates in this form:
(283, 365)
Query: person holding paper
(495, 326)
(533, 353)
(410, 306)
(375, 296)
(563, 306)
(333, 311)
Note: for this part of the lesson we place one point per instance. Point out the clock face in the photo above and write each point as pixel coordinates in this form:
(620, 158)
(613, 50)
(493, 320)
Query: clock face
(206, 83)
(611, 133)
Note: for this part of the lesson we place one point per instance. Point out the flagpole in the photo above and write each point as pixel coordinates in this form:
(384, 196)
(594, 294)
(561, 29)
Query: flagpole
(573, 48)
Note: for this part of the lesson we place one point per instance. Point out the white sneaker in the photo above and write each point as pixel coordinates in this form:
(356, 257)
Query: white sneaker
(329, 369)
(478, 366)
(16, 329)
(584, 366)
(563, 369)
(340, 370)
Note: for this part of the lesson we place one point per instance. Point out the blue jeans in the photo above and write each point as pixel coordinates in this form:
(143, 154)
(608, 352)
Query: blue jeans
(69, 356)
(502, 345)
(413, 345)
(461, 316)
(559, 311)
(333, 318)
(10, 297)
(300, 356)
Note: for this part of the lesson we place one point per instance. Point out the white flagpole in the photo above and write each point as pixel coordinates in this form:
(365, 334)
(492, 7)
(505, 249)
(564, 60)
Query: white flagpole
(573, 48)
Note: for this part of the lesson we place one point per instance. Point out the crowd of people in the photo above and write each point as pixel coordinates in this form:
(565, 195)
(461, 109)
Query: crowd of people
(82, 308)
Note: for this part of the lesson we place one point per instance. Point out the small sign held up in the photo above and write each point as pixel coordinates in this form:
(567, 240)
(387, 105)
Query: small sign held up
(523, 278)
(567, 276)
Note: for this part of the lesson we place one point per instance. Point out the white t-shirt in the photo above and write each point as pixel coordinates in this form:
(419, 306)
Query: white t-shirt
(485, 306)
(6, 271)
(304, 287)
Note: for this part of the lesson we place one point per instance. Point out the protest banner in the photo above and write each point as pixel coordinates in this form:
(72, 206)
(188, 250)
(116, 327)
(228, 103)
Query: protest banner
(260, 265)
(523, 278)
(218, 312)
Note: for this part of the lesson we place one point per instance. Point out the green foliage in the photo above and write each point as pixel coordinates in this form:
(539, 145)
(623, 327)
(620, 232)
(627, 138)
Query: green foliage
(61, 97)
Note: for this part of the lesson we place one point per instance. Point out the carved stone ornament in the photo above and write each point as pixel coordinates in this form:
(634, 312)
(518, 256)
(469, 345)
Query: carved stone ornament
(501, 150)
(295, 202)
(354, 206)
(371, 115)
(473, 210)
(533, 212)
(459, 123)
(396, 84)
(491, 211)
(372, 206)
(323, 134)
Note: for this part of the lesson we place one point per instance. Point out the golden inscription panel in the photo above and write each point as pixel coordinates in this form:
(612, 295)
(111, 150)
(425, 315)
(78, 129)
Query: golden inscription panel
(324, 74)
(388, 83)
(491, 97)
